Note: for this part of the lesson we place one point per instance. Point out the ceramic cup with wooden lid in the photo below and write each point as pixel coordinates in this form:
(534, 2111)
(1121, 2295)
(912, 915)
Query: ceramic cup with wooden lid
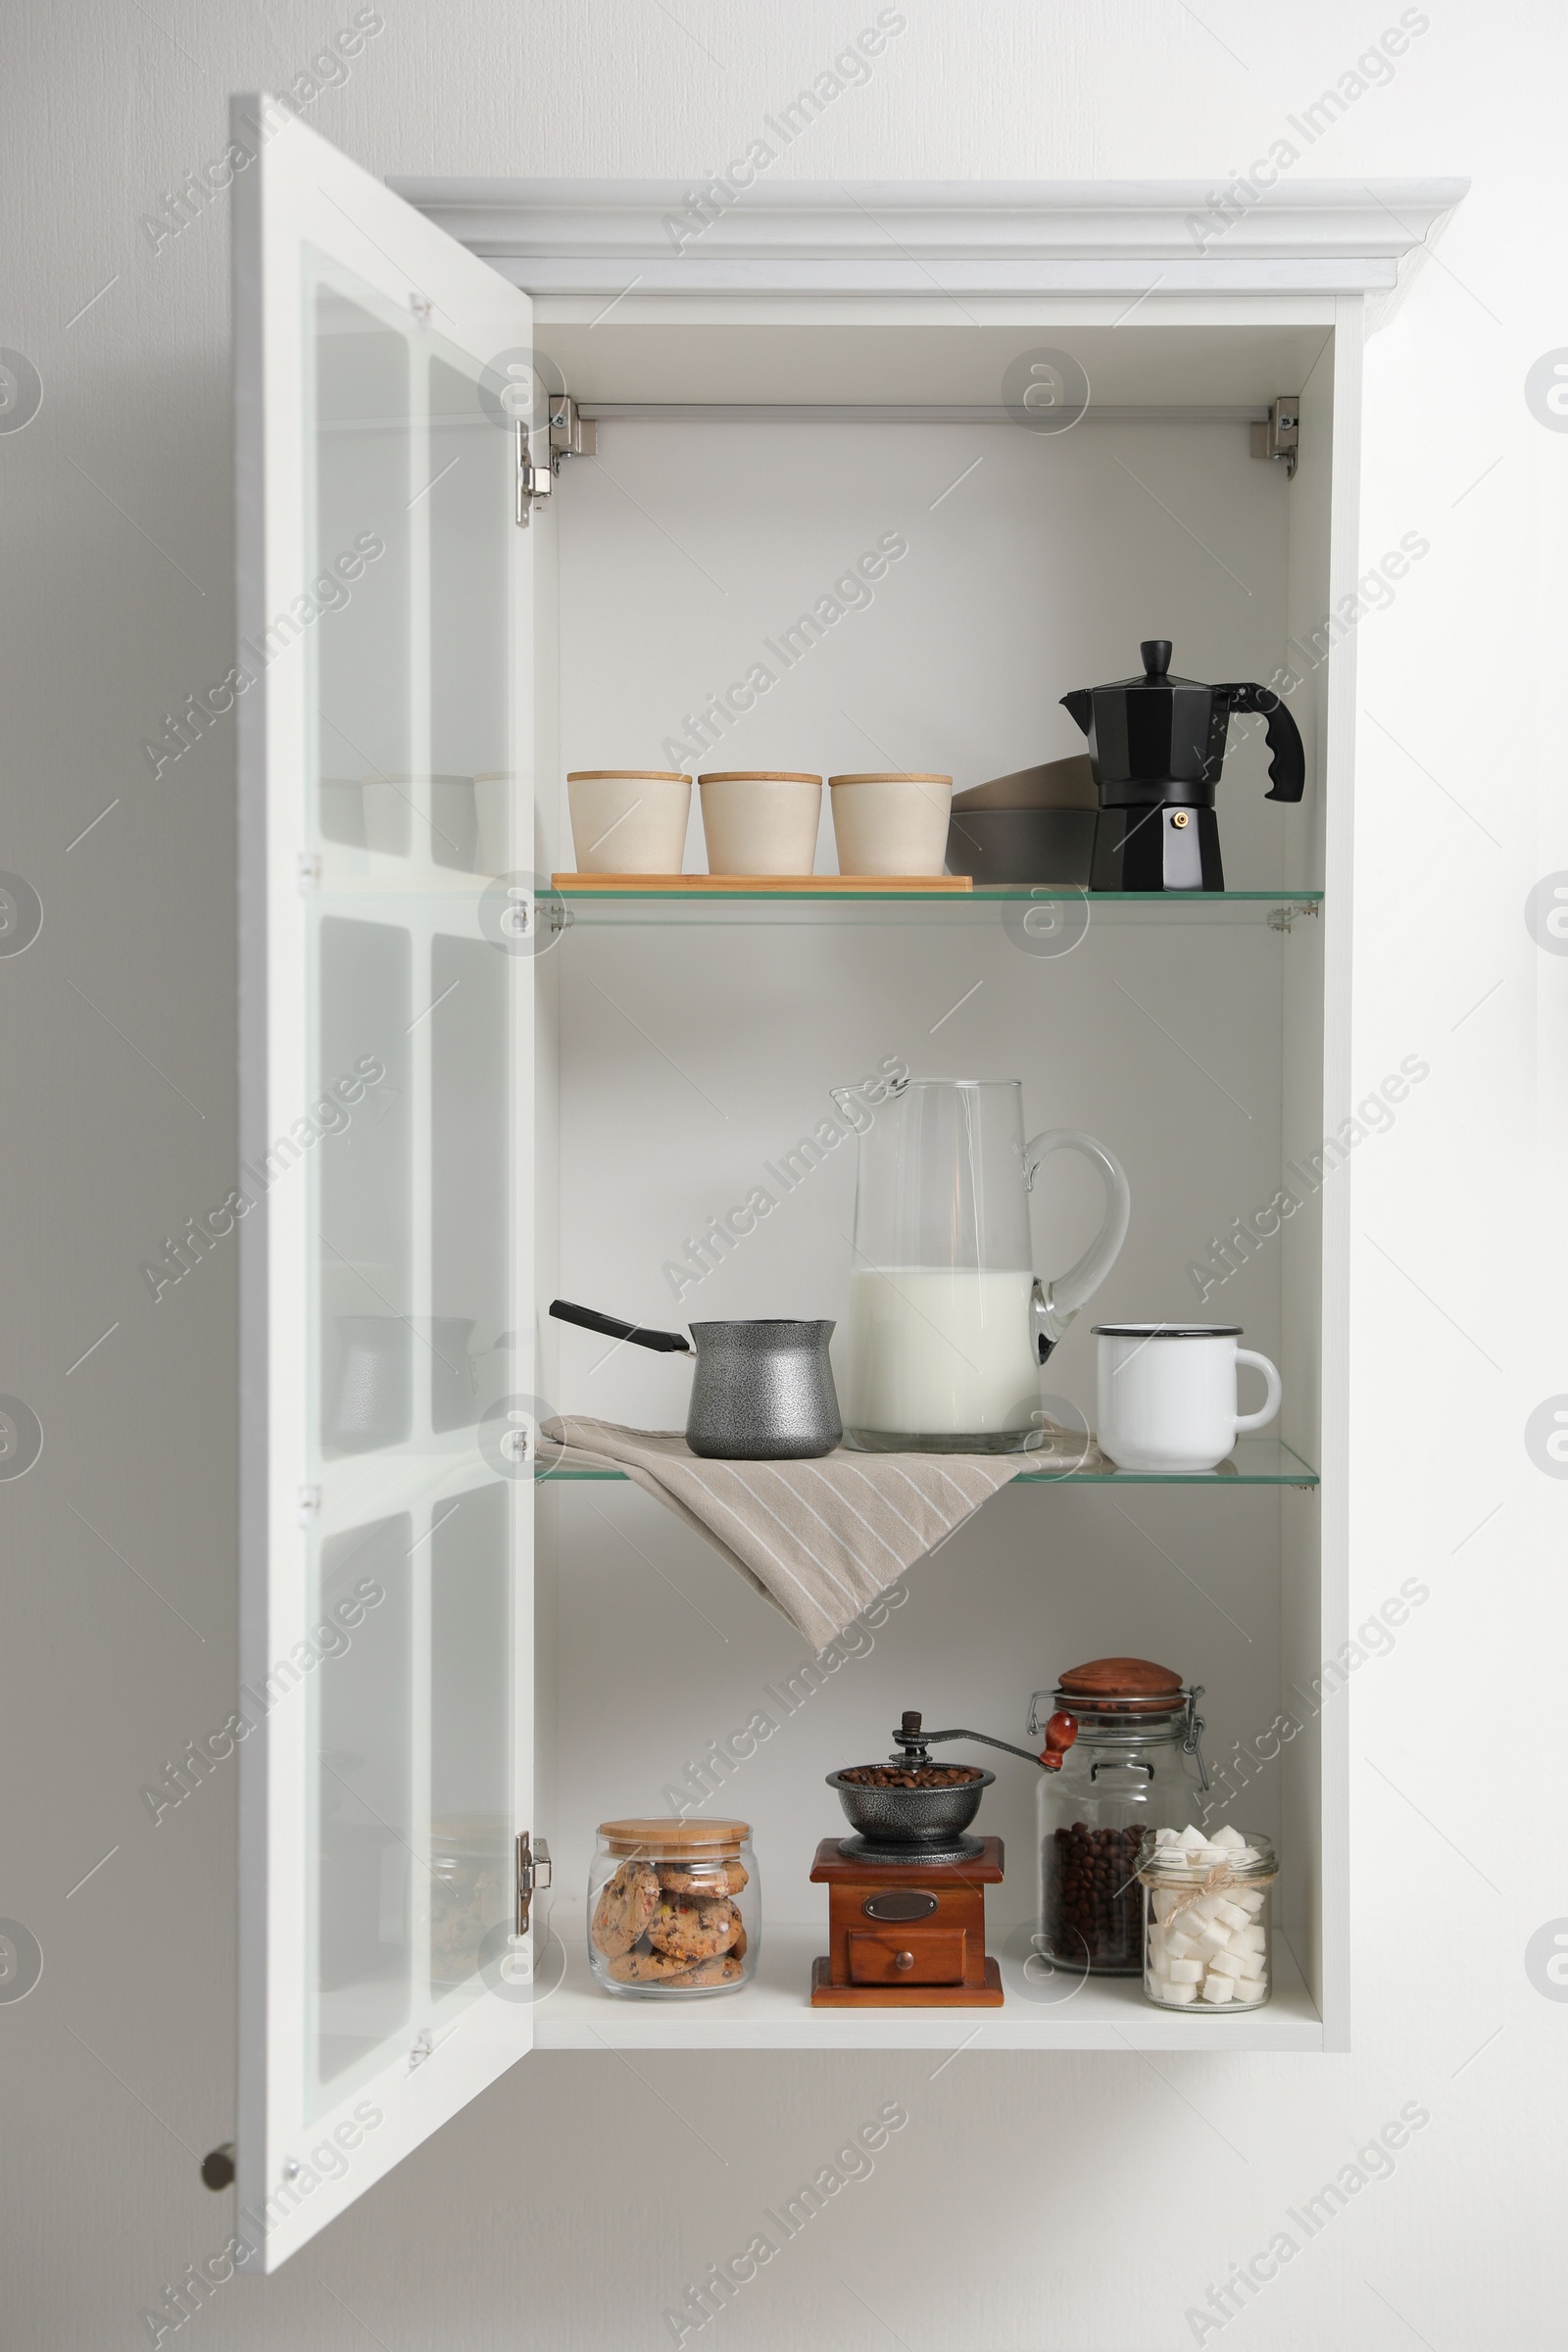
(759, 821)
(892, 823)
(675, 1907)
(629, 820)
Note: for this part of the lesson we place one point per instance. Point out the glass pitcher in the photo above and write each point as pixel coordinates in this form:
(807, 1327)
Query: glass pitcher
(946, 1325)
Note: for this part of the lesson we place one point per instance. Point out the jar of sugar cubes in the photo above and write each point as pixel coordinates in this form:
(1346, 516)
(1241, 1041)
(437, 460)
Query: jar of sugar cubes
(1206, 1917)
(1136, 1765)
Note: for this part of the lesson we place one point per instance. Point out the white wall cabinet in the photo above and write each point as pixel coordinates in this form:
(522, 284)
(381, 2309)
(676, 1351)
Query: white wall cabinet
(463, 1092)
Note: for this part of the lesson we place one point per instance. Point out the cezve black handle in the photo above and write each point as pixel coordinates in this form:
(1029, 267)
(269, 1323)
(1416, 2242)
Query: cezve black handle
(664, 1343)
(1288, 767)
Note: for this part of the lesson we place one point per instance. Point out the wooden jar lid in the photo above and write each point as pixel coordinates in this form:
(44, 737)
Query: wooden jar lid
(755, 775)
(627, 776)
(671, 1840)
(1135, 1683)
(1121, 1678)
(890, 775)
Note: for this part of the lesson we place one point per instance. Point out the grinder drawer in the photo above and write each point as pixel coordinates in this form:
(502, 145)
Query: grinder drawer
(908, 1956)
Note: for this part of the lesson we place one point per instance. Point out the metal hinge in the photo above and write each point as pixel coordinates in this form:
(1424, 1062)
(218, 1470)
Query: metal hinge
(533, 1875)
(533, 482)
(571, 433)
(1280, 436)
(1281, 918)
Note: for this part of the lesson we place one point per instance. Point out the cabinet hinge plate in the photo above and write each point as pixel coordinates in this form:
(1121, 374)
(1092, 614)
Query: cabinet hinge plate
(571, 433)
(568, 434)
(535, 481)
(1280, 436)
(533, 1874)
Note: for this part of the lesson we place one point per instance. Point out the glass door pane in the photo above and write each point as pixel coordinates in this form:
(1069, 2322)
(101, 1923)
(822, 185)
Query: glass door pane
(388, 1563)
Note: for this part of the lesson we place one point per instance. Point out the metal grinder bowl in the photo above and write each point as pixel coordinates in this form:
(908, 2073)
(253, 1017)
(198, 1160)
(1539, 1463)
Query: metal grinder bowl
(917, 1818)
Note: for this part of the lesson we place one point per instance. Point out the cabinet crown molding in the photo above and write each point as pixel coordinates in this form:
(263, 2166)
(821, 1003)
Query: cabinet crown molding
(935, 238)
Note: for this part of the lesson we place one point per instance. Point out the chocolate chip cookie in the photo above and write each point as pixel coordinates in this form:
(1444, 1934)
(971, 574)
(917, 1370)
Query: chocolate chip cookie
(648, 1967)
(692, 1929)
(709, 1880)
(626, 1905)
(726, 1970)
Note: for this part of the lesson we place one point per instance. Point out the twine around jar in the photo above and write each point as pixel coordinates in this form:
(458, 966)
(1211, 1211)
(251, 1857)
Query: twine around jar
(1219, 1879)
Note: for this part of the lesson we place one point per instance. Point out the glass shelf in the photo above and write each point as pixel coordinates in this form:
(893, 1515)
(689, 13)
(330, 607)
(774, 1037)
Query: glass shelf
(1255, 1462)
(1033, 913)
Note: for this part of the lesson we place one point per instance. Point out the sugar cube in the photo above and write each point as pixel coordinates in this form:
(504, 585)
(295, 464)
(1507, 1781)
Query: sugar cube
(1227, 1964)
(1189, 1836)
(1250, 1989)
(1179, 1946)
(1250, 1899)
(1166, 1836)
(1230, 1914)
(1228, 1837)
(1208, 1855)
(1180, 1994)
(1186, 1972)
(1251, 1939)
(1214, 1939)
(1218, 1988)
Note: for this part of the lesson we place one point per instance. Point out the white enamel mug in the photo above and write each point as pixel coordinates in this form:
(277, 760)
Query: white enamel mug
(1168, 1394)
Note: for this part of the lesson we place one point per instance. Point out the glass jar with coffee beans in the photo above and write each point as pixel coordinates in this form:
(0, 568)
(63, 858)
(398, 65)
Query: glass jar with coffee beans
(1135, 1766)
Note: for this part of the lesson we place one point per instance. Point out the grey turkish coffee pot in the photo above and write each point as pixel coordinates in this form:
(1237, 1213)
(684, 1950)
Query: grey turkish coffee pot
(761, 1392)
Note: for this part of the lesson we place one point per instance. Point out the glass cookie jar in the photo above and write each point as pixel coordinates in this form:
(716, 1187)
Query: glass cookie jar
(674, 1908)
(1206, 1918)
(472, 1891)
(1135, 1765)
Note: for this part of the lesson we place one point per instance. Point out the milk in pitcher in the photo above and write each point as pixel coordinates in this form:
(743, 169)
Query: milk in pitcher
(942, 1355)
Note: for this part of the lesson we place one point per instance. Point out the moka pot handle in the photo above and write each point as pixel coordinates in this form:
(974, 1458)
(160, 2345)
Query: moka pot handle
(1288, 766)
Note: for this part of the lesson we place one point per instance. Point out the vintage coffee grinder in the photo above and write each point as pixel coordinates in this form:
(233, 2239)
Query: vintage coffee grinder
(1158, 745)
(907, 1891)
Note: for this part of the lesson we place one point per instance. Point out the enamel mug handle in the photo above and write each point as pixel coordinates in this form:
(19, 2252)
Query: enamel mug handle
(1067, 1293)
(1271, 1404)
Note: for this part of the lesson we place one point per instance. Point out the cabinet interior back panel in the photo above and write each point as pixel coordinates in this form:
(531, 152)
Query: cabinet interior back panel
(691, 1060)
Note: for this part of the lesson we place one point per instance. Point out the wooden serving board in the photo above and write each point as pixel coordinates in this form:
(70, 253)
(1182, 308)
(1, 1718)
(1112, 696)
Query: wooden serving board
(826, 883)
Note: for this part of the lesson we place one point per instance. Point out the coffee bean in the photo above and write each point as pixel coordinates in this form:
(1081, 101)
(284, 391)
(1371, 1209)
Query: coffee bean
(1093, 1902)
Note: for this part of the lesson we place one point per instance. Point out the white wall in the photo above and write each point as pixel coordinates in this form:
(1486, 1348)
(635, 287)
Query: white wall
(1084, 2203)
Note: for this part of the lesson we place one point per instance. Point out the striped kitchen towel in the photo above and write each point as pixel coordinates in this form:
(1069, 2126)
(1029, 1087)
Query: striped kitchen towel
(819, 1538)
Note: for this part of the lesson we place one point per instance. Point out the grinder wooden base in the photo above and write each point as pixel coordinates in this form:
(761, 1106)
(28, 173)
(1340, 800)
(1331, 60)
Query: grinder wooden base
(825, 1995)
(935, 1960)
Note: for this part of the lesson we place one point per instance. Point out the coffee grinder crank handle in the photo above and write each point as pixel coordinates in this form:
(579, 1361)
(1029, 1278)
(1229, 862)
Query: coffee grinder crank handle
(1061, 1732)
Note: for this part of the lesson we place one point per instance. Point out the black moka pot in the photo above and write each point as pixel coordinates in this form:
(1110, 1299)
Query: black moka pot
(1158, 745)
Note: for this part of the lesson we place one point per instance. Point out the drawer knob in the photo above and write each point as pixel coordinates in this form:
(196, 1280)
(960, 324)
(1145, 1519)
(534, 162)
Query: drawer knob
(904, 1959)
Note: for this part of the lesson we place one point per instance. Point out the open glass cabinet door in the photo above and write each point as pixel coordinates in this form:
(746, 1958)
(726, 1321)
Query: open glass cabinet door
(385, 740)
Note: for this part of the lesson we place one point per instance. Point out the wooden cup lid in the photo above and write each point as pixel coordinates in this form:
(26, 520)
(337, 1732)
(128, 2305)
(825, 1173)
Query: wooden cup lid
(890, 775)
(755, 775)
(627, 776)
(671, 1840)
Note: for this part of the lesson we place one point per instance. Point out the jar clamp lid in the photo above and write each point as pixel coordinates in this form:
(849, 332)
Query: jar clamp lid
(1126, 1699)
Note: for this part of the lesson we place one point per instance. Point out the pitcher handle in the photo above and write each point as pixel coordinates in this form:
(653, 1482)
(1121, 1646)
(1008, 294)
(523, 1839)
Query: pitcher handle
(1057, 1302)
